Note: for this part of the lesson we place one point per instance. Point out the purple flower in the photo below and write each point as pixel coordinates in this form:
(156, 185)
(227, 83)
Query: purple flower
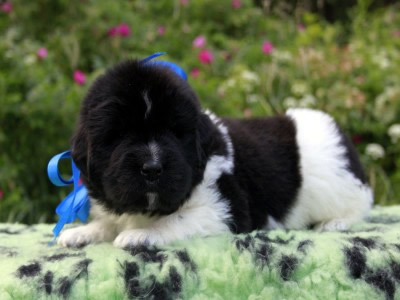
(79, 77)
(199, 41)
(267, 47)
(6, 7)
(236, 4)
(206, 57)
(42, 53)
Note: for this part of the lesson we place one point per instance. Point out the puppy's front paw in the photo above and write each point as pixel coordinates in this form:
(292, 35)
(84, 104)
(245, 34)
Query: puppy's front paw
(79, 236)
(134, 237)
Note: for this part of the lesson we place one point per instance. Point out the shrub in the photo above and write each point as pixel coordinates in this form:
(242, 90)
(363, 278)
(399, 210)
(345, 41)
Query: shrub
(249, 63)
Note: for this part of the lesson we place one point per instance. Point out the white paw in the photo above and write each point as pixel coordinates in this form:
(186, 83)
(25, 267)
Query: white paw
(333, 225)
(80, 236)
(134, 237)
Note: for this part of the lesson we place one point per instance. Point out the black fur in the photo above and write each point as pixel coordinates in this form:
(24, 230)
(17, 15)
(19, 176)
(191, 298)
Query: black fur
(136, 104)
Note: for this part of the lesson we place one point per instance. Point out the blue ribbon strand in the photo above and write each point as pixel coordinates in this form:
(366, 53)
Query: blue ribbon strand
(76, 204)
(166, 64)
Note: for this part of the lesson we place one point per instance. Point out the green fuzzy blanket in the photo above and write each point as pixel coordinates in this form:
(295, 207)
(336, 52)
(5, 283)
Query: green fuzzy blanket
(362, 263)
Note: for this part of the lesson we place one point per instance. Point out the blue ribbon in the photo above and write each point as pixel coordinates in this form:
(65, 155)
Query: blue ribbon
(76, 204)
(166, 64)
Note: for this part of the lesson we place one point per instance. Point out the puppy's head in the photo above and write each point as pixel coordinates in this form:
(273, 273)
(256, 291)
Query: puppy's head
(138, 141)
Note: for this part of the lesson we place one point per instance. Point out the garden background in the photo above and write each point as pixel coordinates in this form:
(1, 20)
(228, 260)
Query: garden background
(244, 58)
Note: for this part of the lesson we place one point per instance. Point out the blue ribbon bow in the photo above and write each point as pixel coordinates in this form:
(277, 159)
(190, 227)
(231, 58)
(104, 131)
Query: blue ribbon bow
(77, 204)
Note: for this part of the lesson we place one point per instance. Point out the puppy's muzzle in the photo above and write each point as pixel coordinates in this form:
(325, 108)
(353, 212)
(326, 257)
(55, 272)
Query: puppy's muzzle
(151, 171)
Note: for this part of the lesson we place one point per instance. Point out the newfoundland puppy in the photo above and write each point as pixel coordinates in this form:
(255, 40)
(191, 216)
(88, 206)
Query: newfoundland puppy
(158, 168)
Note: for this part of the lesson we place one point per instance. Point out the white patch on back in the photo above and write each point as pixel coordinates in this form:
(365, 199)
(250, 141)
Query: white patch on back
(328, 190)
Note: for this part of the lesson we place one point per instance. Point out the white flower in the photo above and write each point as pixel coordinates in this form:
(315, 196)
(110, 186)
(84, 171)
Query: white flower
(290, 102)
(283, 56)
(394, 133)
(299, 88)
(30, 59)
(375, 151)
(252, 98)
(307, 101)
(250, 77)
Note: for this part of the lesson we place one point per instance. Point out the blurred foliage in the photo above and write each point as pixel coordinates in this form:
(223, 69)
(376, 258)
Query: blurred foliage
(349, 69)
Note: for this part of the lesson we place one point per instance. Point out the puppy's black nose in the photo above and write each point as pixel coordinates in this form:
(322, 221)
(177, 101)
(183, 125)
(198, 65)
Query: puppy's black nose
(152, 170)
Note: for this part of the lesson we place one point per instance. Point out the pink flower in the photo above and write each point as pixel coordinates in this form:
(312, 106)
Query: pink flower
(161, 30)
(121, 30)
(42, 53)
(199, 41)
(79, 77)
(1, 194)
(6, 7)
(301, 27)
(113, 31)
(206, 56)
(195, 72)
(124, 30)
(396, 34)
(267, 47)
(236, 4)
(184, 2)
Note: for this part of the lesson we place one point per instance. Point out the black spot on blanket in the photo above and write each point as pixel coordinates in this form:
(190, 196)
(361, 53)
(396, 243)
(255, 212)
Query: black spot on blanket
(304, 245)
(368, 243)
(244, 243)
(263, 236)
(61, 256)
(168, 289)
(287, 264)
(175, 280)
(8, 231)
(29, 270)
(185, 259)
(263, 254)
(395, 267)
(48, 282)
(81, 268)
(382, 280)
(132, 287)
(148, 253)
(356, 261)
(64, 286)
(383, 219)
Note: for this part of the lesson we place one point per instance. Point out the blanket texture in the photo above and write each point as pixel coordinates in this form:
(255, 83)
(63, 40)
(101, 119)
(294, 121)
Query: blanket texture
(361, 263)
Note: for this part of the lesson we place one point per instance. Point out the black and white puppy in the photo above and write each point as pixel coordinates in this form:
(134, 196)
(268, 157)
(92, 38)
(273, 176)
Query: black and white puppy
(159, 169)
